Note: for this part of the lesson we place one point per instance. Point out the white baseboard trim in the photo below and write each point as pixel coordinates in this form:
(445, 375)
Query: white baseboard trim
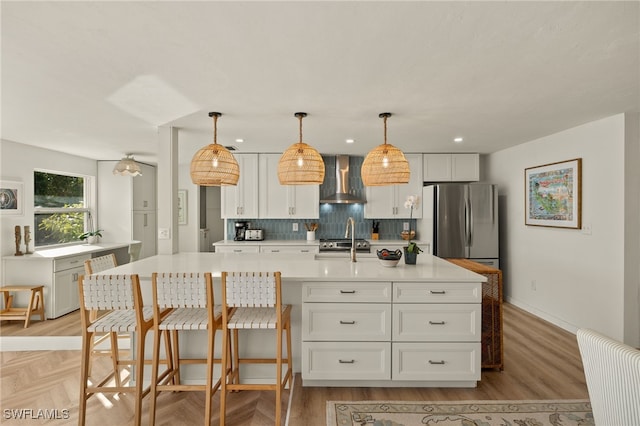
(40, 343)
(544, 315)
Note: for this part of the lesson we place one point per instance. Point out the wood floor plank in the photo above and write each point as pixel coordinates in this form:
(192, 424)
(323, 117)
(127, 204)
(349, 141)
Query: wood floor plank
(542, 361)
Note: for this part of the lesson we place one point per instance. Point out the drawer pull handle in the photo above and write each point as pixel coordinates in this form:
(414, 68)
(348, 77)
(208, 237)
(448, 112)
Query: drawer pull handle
(351, 361)
(275, 251)
(347, 322)
(237, 250)
(436, 362)
(437, 291)
(436, 322)
(74, 261)
(347, 291)
(304, 251)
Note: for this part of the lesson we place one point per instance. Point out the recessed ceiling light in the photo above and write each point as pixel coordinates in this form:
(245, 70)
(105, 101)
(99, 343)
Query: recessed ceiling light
(349, 140)
(457, 140)
(239, 140)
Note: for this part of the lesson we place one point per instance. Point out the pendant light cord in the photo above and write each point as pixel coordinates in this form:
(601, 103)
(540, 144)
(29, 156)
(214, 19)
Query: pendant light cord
(385, 129)
(215, 129)
(300, 118)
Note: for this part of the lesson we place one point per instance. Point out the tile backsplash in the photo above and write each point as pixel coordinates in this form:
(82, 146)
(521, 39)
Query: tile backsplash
(333, 217)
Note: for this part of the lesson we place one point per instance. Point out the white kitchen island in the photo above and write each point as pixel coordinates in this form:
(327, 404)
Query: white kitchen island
(353, 324)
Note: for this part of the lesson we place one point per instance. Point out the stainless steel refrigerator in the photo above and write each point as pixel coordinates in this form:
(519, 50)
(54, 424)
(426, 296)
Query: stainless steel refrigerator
(461, 221)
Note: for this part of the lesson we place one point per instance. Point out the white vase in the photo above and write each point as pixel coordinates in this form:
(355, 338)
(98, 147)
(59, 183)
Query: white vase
(92, 239)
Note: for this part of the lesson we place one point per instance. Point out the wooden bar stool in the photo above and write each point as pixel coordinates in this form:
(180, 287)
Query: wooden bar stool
(182, 302)
(121, 295)
(93, 266)
(253, 300)
(35, 306)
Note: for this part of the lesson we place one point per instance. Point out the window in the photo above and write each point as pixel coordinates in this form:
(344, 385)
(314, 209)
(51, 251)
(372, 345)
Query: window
(61, 208)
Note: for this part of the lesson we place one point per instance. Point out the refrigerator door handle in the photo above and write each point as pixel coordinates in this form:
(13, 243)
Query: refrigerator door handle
(470, 212)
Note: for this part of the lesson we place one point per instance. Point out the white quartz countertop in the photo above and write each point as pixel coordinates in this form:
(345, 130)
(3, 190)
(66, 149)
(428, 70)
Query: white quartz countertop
(67, 251)
(301, 267)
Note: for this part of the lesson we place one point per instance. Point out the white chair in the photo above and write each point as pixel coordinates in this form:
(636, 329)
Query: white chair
(252, 300)
(183, 302)
(121, 296)
(612, 370)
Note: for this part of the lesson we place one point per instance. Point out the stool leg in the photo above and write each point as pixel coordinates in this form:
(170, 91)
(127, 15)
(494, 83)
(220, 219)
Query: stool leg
(84, 376)
(226, 344)
(154, 377)
(139, 375)
(279, 375)
(27, 320)
(40, 305)
(211, 338)
(115, 357)
(289, 356)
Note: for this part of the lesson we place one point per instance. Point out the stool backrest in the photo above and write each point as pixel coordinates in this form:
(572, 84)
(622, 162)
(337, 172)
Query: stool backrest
(182, 290)
(110, 292)
(251, 289)
(100, 263)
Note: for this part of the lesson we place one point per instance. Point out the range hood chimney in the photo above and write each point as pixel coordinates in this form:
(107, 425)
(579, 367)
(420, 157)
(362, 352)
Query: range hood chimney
(342, 195)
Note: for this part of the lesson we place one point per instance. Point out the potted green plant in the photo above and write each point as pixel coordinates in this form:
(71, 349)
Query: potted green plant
(91, 236)
(412, 250)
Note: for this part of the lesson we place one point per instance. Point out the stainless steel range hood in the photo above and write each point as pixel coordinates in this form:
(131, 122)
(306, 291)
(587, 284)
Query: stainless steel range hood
(342, 194)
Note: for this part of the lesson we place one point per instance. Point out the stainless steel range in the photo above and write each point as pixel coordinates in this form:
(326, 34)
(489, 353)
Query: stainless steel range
(344, 244)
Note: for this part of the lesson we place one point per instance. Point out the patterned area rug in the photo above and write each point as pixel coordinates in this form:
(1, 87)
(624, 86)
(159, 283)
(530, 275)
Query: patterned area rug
(460, 413)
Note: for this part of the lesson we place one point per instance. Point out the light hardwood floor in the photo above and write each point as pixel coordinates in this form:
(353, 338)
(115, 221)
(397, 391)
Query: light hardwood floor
(541, 362)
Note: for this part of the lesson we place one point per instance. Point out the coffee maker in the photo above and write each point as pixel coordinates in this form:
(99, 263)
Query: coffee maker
(240, 227)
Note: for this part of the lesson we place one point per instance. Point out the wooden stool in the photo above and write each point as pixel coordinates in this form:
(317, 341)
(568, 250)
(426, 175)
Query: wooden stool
(36, 304)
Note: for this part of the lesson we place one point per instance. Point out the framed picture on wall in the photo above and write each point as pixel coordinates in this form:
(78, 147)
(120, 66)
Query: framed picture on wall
(553, 194)
(182, 207)
(11, 197)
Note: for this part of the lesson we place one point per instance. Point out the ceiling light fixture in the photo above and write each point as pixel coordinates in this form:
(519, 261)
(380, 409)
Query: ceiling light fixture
(127, 167)
(385, 164)
(349, 140)
(214, 165)
(301, 164)
(458, 140)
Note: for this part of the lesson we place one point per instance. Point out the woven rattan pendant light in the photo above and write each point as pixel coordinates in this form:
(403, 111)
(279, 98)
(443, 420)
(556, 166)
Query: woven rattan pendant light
(214, 165)
(385, 164)
(301, 164)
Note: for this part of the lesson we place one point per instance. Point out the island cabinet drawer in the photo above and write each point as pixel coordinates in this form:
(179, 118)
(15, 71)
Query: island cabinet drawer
(62, 264)
(238, 249)
(346, 321)
(441, 323)
(428, 292)
(289, 249)
(346, 361)
(436, 361)
(346, 292)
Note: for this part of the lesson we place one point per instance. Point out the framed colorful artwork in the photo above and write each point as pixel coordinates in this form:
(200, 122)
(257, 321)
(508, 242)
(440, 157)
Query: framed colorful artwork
(11, 197)
(553, 194)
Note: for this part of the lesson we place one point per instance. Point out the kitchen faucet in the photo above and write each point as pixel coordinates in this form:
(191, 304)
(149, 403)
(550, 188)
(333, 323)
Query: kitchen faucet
(353, 237)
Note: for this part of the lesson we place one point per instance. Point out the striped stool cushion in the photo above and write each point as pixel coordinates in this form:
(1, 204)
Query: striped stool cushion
(119, 321)
(189, 318)
(254, 318)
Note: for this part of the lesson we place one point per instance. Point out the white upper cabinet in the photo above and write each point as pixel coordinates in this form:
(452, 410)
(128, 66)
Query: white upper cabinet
(387, 202)
(241, 201)
(451, 167)
(284, 201)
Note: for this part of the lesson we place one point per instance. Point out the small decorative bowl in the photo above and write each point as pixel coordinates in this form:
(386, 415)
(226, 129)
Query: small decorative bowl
(405, 235)
(389, 258)
(389, 263)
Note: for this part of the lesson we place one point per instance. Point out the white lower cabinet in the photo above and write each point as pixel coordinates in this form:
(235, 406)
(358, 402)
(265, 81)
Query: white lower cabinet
(289, 249)
(391, 334)
(238, 249)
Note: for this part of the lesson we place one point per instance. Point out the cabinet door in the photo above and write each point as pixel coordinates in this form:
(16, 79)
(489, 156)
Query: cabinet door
(465, 167)
(241, 201)
(274, 204)
(414, 187)
(144, 189)
(144, 230)
(381, 202)
(437, 167)
(305, 201)
(65, 291)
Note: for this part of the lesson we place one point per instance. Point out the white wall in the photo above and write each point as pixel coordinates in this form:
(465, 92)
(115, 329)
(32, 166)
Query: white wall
(632, 229)
(17, 162)
(579, 278)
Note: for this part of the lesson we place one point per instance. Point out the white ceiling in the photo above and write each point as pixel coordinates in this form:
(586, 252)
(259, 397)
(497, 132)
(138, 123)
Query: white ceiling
(97, 78)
